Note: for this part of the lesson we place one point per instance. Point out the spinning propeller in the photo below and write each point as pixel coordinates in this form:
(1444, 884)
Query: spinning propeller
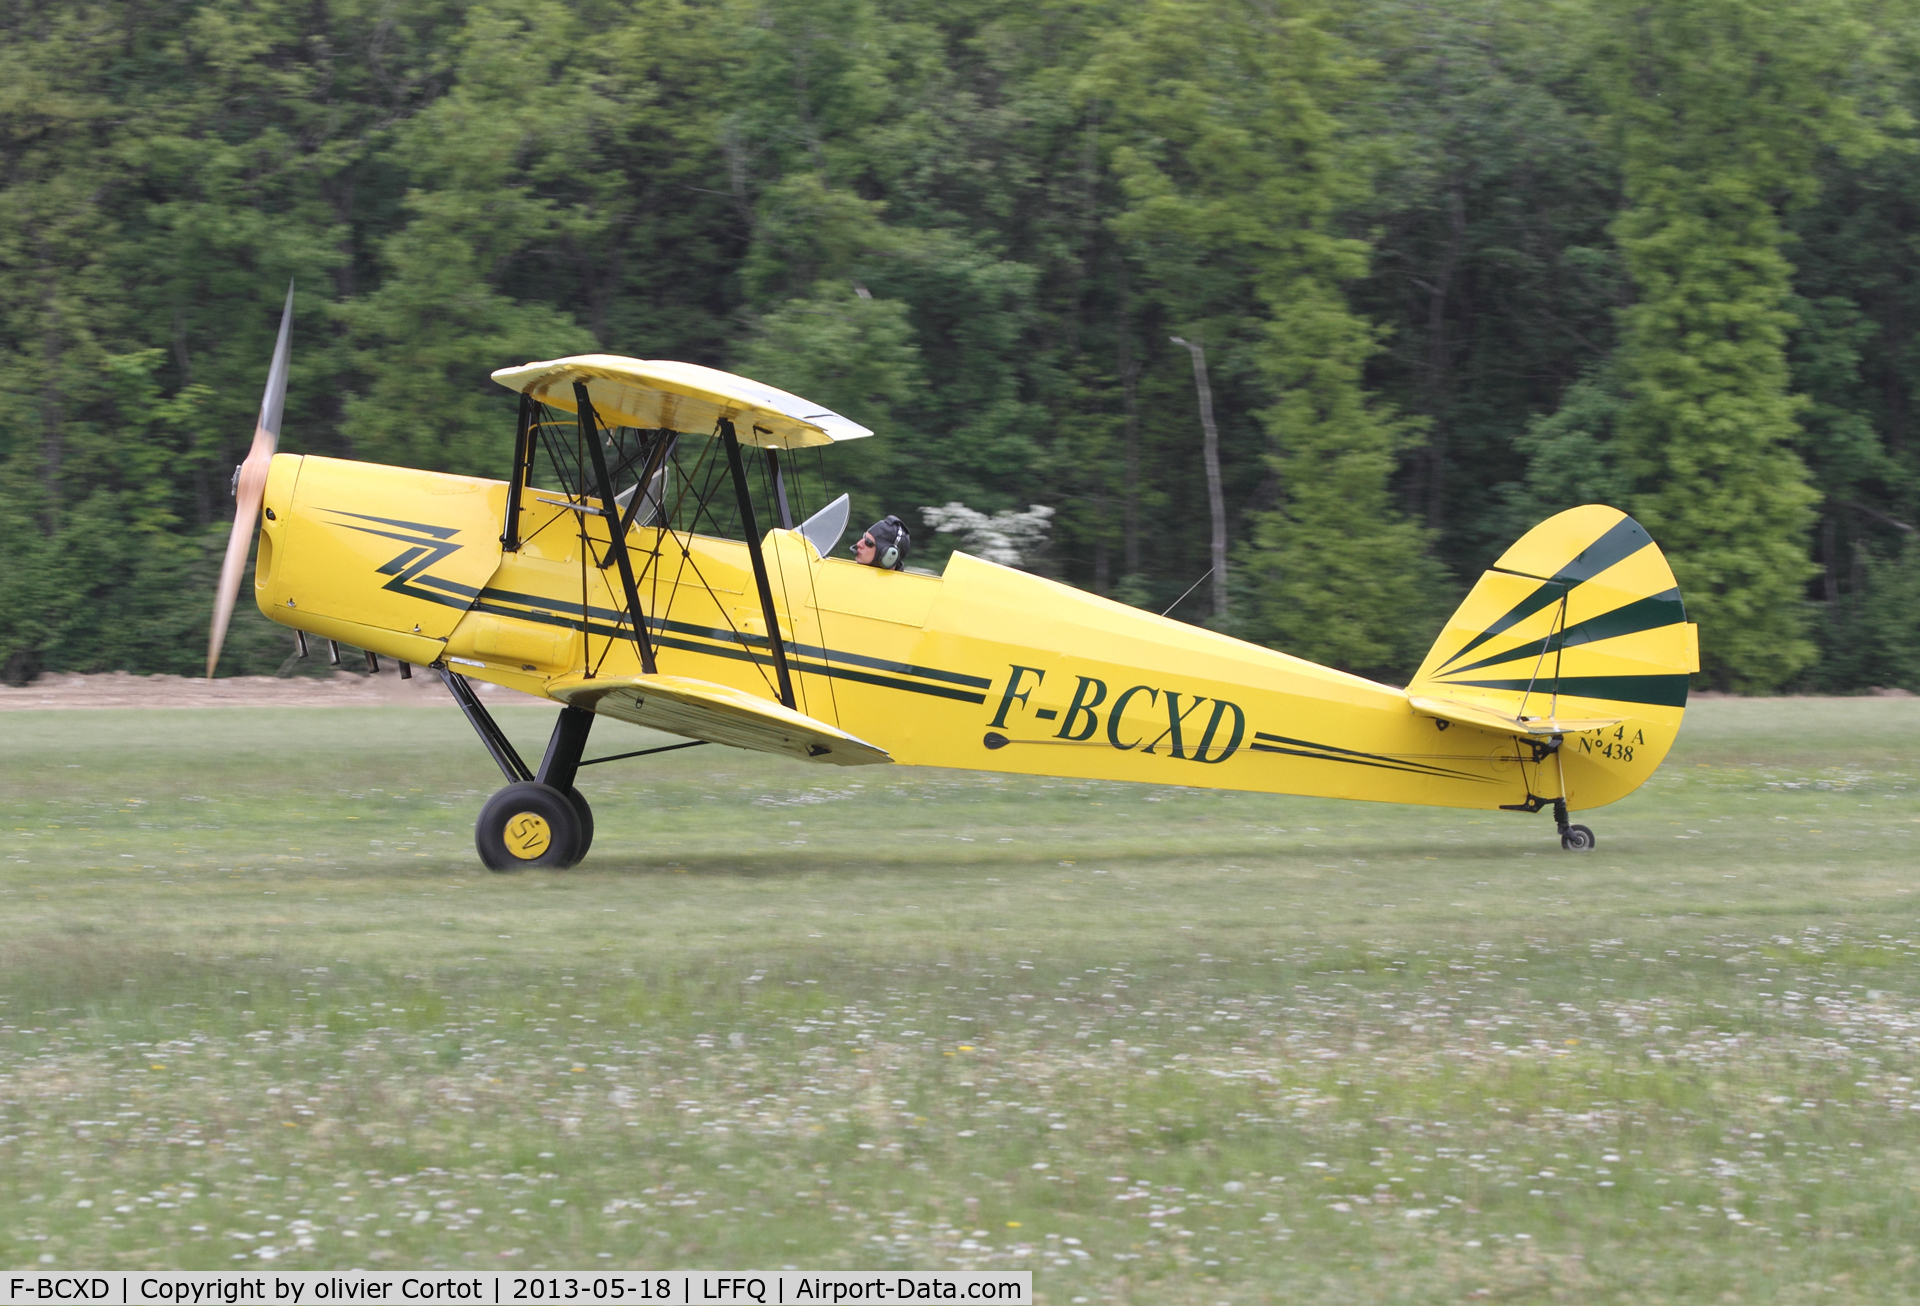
(250, 488)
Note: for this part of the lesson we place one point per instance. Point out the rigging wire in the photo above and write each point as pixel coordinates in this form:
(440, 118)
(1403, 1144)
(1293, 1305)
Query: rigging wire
(617, 440)
(813, 590)
(780, 561)
(1190, 589)
(706, 460)
(586, 545)
(684, 498)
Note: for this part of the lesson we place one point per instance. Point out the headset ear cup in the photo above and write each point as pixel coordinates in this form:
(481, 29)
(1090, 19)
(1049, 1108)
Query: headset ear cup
(889, 556)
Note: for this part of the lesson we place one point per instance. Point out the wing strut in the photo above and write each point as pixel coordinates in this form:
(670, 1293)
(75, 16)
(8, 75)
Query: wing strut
(732, 441)
(610, 513)
(780, 489)
(522, 473)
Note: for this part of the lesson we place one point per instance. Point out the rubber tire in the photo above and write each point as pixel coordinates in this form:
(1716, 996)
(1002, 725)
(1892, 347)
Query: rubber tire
(585, 813)
(530, 798)
(1577, 839)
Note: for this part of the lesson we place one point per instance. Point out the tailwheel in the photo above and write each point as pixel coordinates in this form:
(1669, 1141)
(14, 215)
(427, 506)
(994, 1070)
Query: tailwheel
(530, 824)
(1577, 839)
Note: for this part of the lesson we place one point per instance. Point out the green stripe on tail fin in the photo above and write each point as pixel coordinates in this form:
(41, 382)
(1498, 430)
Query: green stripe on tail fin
(1580, 616)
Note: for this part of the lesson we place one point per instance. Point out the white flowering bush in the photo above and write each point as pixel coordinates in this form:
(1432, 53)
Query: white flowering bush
(1006, 537)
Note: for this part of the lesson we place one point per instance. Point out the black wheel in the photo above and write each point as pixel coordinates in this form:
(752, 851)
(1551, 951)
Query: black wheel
(585, 813)
(527, 825)
(1577, 839)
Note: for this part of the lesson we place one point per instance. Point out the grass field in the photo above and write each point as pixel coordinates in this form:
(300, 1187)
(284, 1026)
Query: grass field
(259, 1003)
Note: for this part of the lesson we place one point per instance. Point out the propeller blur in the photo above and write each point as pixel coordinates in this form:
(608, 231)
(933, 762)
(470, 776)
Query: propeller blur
(250, 487)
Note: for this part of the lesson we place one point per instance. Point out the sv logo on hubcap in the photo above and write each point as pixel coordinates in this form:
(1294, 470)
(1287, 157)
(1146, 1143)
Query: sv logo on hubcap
(527, 835)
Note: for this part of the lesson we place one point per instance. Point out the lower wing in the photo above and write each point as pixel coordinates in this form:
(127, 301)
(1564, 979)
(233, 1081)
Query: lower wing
(700, 709)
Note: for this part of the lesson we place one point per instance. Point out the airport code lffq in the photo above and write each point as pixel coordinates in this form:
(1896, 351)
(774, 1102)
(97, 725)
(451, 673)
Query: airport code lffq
(502, 1288)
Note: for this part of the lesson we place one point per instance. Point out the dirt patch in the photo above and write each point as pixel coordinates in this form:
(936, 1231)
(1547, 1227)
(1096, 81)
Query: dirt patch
(342, 689)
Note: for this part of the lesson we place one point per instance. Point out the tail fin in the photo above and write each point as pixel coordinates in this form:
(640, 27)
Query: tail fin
(1577, 626)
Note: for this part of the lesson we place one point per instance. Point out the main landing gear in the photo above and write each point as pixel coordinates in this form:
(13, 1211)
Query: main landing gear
(539, 819)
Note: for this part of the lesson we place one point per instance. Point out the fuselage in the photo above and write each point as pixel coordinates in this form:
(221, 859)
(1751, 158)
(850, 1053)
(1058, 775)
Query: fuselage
(984, 667)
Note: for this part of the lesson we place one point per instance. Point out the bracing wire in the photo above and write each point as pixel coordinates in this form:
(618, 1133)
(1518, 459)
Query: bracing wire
(1556, 623)
(813, 593)
(702, 501)
(780, 562)
(686, 498)
(1190, 589)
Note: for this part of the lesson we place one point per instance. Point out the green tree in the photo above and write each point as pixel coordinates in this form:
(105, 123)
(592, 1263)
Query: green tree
(1494, 273)
(1854, 356)
(1398, 230)
(1882, 617)
(1236, 172)
(1719, 109)
(856, 355)
(854, 166)
(486, 159)
(553, 207)
(113, 578)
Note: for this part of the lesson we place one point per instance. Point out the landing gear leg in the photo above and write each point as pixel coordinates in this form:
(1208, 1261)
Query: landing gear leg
(1574, 838)
(539, 819)
(562, 763)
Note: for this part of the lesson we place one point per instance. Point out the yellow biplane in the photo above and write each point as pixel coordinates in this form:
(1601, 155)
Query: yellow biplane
(621, 571)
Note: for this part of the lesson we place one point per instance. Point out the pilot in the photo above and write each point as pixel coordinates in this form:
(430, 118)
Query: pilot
(884, 545)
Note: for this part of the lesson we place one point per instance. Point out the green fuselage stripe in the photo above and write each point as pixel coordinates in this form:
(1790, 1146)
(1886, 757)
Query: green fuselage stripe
(732, 645)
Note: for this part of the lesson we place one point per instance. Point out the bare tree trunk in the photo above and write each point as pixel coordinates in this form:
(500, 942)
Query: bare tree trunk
(1440, 357)
(1130, 395)
(1130, 388)
(52, 411)
(1089, 223)
(1829, 546)
(1102, 568)
(1216, 501)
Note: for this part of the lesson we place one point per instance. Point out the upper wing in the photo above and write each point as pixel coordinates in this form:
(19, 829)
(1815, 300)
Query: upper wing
(658, 394)
(700, 709)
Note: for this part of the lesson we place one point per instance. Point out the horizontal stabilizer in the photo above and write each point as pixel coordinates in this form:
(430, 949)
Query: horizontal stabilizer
(1481, 718)
(700, 709)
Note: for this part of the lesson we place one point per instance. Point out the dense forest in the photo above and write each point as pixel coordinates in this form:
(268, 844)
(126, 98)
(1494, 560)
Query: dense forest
(1445, 268)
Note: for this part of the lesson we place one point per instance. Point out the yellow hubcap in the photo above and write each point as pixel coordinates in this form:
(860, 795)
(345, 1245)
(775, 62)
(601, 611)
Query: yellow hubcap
(528, 835)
